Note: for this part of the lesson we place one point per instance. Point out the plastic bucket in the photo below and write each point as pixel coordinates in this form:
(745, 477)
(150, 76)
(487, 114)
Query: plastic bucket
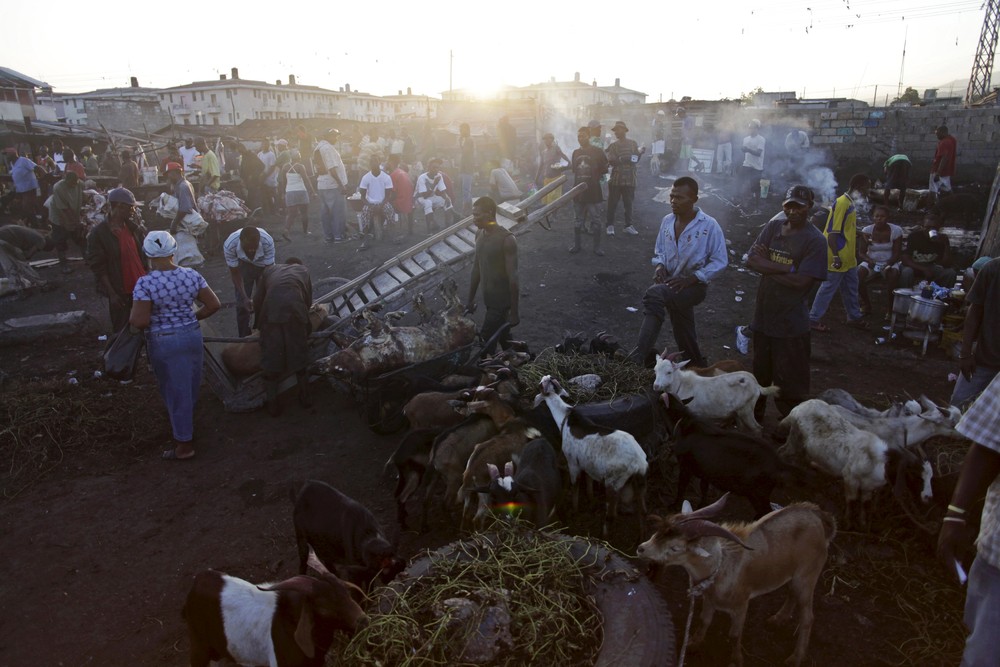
(149, 176)
(765, 187)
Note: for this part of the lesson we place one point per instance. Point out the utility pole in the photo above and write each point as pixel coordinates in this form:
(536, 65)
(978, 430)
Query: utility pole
(899, 88)
(875, 97)
(982, 66)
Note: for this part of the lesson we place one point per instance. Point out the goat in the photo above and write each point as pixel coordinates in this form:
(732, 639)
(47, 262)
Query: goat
(729, 460)
(733, 563)
(720, 367)
(286, 624)
(609, 456)
(343, 533)
(906, 430)
(411, 458)
(572, 343)
(721, 397)
(536, 485)
(863, 460)
(504, 446)
(604, 343)
(844, 399)
(433, 409)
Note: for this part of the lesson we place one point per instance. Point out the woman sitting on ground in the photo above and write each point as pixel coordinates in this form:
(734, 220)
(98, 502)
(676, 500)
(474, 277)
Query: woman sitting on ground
(162, 303)
(880, 248)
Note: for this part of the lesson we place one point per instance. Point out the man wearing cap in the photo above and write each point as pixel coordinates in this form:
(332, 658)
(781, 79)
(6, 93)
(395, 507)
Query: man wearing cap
(690, 251)
(25, 175)
(114, 254)
(247, 252)
(64, 215)
(549, 155)
(790, 255)
(184, 193)
(211, 171)
(979, 358)
(623, 155)
(331, 184)
(753, 162)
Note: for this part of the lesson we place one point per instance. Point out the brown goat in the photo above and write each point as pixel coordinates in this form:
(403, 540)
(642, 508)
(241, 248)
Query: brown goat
(433, 409)
(735, 562)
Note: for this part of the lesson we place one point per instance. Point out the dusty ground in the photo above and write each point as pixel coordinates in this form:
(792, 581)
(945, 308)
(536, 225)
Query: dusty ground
(100, 538)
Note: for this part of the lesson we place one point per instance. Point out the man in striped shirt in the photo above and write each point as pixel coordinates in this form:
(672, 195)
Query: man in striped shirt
(623, 156)
(980, 475)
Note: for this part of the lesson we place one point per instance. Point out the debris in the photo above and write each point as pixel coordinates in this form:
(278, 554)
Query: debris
(102, 337)
(74, 381)
(632, 309)
(738, 299)
(72, 296)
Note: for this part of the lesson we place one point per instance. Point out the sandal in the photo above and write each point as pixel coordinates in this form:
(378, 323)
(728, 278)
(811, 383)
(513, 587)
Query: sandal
(818, 326)
(171, 455)
(858, 324)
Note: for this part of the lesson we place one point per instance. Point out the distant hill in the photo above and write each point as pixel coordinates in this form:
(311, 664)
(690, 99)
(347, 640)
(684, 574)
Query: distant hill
(957, 87)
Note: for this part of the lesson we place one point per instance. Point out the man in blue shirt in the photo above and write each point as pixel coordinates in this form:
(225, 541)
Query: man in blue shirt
(25, 175)
(690, 251)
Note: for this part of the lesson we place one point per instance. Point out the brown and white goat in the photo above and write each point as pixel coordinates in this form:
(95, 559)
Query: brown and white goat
(286, 624)
(735, 562)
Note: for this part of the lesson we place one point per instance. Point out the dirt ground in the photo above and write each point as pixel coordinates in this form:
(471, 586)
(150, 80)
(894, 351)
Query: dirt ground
(100, 537)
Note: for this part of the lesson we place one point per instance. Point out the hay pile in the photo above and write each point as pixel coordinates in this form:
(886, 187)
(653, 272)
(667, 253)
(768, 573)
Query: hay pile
(553, 621)
(620, 378)
(42, 423)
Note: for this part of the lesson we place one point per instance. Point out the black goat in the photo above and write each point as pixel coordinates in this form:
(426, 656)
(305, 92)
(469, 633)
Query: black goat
(729, 460)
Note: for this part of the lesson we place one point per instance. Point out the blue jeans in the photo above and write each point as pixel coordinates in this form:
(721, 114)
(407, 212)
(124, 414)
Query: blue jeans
(176, 356)
(982, 615)
(333, 214)
(465, 208)
(967, 390)
(249, 273)
(847, 283)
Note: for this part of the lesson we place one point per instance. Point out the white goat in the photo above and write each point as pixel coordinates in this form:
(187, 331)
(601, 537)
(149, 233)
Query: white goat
(832, 443)
(733, 563)
(907, 430)
(844, 399)
(732, 395)
(609, 456)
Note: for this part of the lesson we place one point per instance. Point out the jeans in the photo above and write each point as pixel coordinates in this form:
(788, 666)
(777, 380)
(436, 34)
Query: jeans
(465, 205)
(660, 300)
(333, 214)
(625, 193)
(943, 276)
(982, 615)
(586, 213)
(176, 356)
(967, 390)
(249, 273)
(844, 281)
(495, 318)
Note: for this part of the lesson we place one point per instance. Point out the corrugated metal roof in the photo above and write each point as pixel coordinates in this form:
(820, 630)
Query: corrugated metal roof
(12, 78)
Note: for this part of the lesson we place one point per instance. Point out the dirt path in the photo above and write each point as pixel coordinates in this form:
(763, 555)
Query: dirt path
(99, 552)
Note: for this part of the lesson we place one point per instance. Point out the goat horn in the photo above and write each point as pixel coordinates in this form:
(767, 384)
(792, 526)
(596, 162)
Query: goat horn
(301, 583)
(703, 528)
(709, 511)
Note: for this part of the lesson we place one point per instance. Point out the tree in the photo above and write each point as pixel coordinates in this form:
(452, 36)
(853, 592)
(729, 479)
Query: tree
(909, 96)
(747, 98)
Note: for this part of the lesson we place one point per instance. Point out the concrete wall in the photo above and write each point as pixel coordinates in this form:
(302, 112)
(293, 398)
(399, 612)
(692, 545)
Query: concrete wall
(129, 116)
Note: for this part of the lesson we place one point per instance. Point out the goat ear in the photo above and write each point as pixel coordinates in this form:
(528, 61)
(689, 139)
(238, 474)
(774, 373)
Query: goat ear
(686, 508)
(508, 469)
(493, 470)
(304, 631)
(658, 358)
(682, 364)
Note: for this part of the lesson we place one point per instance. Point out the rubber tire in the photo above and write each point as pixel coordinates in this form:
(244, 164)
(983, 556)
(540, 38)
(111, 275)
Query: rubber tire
(638, 630)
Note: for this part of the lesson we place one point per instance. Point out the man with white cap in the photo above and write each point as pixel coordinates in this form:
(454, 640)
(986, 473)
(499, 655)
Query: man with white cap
(114, 254)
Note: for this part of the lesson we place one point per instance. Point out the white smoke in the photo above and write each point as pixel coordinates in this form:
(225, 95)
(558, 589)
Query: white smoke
(822, 183)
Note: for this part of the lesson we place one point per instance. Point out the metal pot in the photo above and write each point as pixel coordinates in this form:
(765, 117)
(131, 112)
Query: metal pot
(926, 311)
(901, 300)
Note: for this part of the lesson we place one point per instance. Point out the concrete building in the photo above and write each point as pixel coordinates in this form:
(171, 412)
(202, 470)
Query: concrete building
(411, 107)
(230, 101)
(126, 109)
(23, 98)
(567, 96)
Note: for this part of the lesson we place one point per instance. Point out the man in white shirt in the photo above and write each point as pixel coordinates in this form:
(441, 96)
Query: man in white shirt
(269, 179)
(753, 162)
(376, 190)
(189, 153)
(330, 184)
(431, 192)
(247, 252)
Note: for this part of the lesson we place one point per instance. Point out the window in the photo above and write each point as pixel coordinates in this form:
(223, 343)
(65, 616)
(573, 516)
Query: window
(237, 115)
(230, 118)
(279, 99)
(229, 94)
(215, 120)
(171, 98)
(187, 121)
(213, 98)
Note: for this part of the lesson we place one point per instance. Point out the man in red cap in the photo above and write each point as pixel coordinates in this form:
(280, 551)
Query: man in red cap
(182, 191)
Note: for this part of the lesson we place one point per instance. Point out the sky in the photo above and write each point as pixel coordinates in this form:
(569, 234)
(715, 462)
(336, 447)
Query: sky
(707, 49)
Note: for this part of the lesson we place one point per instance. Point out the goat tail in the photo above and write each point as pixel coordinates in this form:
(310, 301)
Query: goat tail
(829, 525)
(773, 390)
(783, 430)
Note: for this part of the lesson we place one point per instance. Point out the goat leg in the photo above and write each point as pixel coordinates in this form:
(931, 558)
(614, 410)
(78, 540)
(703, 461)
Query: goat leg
(739, 615)
(612, 510)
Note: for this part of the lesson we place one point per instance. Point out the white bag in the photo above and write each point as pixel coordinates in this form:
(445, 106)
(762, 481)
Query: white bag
(166, 206)
(187, 253)
(194, 224)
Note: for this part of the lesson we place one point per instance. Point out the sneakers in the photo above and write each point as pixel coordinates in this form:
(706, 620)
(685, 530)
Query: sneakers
(611, 230)
(631, 230)
(742, 340)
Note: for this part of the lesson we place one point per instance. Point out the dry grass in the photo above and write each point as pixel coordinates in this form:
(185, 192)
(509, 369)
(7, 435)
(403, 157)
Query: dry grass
(620, 378)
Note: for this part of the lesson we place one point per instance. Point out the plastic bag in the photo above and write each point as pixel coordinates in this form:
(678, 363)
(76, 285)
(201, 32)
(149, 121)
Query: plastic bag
(187, 253)
(122, 355)
(194, 224)
(166, 206)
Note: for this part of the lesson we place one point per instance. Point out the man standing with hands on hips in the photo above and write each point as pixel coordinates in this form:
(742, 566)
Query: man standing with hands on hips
(690, 250)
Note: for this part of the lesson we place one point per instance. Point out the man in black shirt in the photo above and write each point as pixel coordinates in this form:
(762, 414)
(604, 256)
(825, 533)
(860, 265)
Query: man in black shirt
(495, 266)
(589, 165)
(927, 255)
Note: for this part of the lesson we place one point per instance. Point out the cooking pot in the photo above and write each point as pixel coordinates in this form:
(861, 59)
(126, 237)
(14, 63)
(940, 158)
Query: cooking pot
(901, 300)
(926, 311)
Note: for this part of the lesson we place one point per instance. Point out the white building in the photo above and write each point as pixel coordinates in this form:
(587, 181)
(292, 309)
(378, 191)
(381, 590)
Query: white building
(411, 107)
(19, 100)
(563, 95)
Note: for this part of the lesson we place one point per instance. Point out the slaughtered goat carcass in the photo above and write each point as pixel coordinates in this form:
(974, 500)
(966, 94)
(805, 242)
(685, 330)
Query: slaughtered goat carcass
(383, 348)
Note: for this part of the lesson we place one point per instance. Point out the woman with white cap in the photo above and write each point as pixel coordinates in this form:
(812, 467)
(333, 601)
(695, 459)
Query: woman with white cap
(162, 303)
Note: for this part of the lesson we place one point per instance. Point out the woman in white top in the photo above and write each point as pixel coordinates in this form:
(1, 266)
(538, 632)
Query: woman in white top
(880, 246)
(298, 190)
